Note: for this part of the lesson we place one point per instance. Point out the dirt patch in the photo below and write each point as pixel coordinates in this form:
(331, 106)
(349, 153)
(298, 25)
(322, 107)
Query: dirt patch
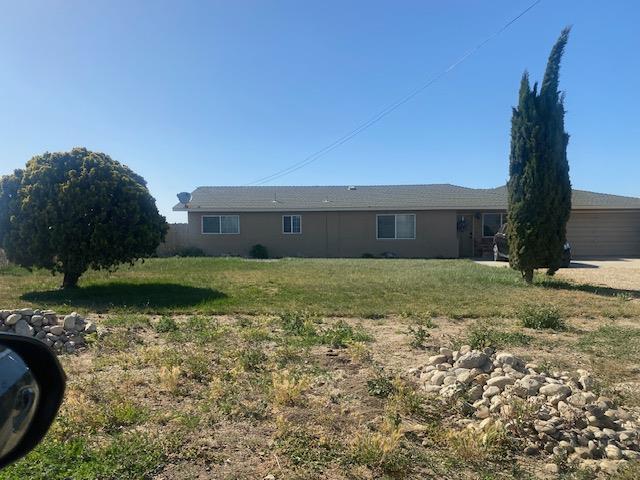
(301, 397)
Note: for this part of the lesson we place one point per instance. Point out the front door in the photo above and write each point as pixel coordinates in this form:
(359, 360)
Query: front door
(464, 226)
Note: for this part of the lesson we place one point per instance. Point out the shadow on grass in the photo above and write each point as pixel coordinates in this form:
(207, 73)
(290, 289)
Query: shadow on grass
(145, 296)
(585, 287)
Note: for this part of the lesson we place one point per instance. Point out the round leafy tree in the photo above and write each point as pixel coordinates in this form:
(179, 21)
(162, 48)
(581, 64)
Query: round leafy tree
(71, 211)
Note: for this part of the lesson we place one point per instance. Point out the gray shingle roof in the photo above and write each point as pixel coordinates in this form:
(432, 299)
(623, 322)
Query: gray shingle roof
(375, 197)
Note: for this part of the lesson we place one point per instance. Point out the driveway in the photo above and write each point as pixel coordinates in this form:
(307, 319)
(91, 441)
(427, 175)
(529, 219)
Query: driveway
(620, 273)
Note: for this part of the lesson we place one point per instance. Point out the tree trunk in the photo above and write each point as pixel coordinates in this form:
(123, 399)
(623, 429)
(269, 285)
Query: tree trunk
(70, 279)
(528, 275)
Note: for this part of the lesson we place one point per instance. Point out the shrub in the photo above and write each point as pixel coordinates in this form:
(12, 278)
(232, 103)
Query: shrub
(258, 251)
(368, 255)
(541, 317)
(190, 252)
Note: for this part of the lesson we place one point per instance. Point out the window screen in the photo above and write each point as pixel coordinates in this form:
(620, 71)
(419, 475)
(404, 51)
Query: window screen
(229, 224)
(405, 226)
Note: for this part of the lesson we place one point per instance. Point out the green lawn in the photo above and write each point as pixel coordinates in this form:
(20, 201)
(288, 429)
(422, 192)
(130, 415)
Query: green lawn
(358, 287)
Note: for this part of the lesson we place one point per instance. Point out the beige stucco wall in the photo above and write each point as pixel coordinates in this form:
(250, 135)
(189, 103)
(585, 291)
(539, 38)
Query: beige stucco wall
(328, 234)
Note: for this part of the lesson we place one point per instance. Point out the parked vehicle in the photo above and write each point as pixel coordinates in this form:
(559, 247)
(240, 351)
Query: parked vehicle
(501, 248)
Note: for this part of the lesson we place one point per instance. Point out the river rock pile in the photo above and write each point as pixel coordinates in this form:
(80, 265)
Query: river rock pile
(550, 413)
(67, 337)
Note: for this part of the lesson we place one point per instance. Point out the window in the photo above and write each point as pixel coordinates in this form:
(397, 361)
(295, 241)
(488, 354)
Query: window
(396, 227)
(491, 223)
(291, 224)
(220, 224)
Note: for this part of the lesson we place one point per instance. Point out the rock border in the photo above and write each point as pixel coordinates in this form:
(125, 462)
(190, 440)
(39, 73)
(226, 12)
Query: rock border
(68, 337)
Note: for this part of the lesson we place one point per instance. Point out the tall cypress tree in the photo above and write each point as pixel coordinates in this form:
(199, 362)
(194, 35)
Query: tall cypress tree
(539, 189)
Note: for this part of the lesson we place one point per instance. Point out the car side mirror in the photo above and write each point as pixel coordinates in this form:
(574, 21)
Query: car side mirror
(32, 385)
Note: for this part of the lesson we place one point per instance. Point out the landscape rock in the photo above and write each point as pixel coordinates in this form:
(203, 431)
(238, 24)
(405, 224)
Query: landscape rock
(69, 322)
(555, 389)
(550, 413)
(437, 359)
(472, 359)
(500, 382)
(56, 330)
(13, 319)
(23, 328)
(44, 325)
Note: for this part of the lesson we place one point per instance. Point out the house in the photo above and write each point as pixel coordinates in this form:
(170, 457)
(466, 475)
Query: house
(445, 221)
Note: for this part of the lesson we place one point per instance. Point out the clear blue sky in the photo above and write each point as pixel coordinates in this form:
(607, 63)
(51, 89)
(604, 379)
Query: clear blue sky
(191, 93)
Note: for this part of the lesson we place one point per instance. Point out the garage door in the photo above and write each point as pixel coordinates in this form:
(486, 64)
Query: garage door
(608, 233)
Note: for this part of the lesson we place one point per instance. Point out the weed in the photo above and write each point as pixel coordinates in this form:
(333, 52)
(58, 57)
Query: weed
(380, 450)
(630, 471)
(381, 385)
(405, 399)
(169, 378)
(166, 324)
(197, 366)
(252, 359)
(128, 320)
(256, 334)
(610, 341)
(470, 446)
(287, 388)
(299, 323)
(124, 456)
(305, 448)
(342, 334)
(541, 317)
(359, 352)
(202, 330)
(482, 335)
(123, 413)
(420, 318)
(419, 335)
(118, 341)
(285, 355)
(624, 296)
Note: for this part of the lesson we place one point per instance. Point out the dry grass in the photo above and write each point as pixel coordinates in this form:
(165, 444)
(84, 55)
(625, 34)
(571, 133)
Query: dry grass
(262, 399)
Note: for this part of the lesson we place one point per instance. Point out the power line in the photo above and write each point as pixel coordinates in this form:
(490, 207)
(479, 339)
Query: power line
(386, 111)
